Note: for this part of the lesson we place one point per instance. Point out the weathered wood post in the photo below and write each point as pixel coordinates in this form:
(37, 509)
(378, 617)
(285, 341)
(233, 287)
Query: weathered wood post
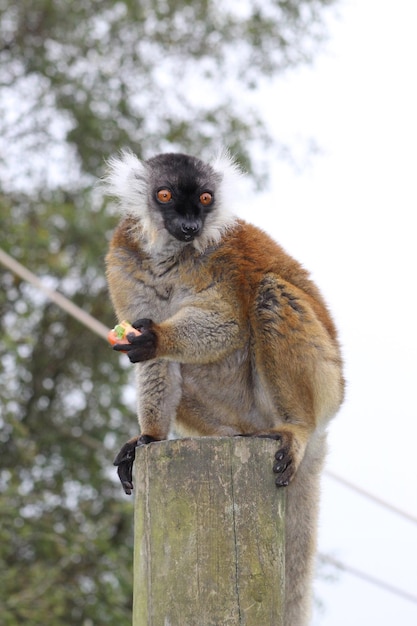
(209, 533)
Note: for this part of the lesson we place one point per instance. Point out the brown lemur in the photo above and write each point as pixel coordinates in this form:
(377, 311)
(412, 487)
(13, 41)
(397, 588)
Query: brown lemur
(235, 337)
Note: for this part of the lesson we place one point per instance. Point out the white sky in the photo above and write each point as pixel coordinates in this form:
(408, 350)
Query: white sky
(349, 220)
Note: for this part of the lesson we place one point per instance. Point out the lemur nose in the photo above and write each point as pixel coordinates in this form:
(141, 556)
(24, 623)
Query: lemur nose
(189, 228)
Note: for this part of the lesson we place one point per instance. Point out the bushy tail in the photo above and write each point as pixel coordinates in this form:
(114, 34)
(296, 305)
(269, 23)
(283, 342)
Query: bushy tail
(301, 533)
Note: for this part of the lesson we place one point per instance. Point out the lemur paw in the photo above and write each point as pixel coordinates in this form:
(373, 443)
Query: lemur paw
(140, 347)
(125, 458)
(284, 465)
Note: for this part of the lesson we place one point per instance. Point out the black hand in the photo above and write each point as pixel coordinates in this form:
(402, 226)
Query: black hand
(140, 347)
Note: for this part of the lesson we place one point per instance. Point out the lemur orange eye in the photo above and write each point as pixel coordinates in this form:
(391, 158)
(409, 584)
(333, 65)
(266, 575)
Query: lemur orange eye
(206, 198)
(164, 195)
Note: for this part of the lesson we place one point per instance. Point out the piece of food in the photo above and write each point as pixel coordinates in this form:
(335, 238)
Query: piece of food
(119, 333)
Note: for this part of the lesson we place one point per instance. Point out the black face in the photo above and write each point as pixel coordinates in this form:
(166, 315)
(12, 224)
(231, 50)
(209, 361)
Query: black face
(182, 189)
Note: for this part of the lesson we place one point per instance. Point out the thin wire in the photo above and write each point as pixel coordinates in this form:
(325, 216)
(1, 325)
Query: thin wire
(405, 595)
(370, 496)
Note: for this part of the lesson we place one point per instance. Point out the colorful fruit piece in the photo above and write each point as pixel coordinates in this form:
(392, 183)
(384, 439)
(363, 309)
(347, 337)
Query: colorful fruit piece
(119, 333)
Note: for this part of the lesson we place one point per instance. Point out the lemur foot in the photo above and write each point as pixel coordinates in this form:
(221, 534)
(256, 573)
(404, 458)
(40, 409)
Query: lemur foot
(125, 458)
(284, 466)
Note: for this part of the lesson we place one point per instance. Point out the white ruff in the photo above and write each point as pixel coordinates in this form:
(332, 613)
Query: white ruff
(127, 180)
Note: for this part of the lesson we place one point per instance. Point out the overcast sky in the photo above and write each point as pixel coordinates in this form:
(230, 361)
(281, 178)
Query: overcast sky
(350, 219)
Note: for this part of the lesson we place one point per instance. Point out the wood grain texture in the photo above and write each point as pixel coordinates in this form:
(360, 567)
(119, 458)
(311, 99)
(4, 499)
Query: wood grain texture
(209, 534)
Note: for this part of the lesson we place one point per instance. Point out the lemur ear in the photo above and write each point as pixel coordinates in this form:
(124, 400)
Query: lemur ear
(126, 180)
(225, 164)
(231, 176)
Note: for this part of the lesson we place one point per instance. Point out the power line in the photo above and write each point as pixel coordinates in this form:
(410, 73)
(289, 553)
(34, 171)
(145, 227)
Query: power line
(368, 578)
(366, 494)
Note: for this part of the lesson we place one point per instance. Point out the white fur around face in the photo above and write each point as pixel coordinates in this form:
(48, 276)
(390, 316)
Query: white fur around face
(127, 180)
(231, 174)
(223, 217)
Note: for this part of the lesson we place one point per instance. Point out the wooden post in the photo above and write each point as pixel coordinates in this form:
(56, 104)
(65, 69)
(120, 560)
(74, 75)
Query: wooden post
(209, 534)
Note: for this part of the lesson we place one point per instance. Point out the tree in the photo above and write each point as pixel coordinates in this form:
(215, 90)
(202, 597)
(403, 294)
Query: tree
(84, 81)
(78, 81)
(66, 542)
